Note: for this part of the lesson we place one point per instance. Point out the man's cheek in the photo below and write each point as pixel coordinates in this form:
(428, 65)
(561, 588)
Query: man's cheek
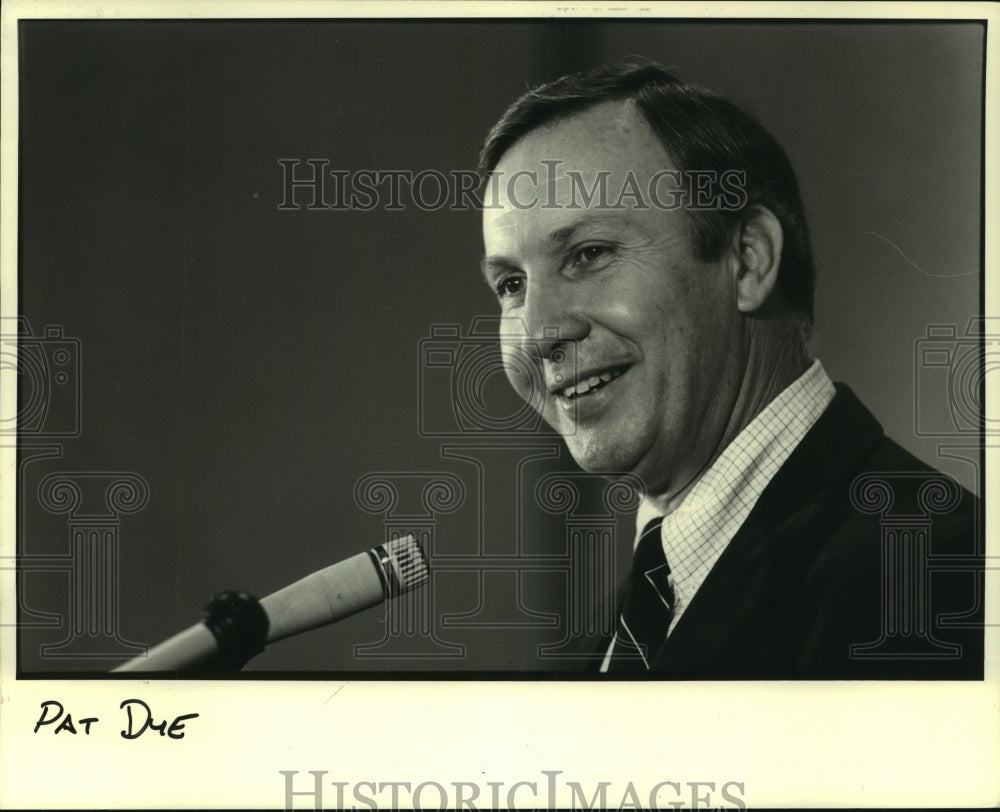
(523, 376)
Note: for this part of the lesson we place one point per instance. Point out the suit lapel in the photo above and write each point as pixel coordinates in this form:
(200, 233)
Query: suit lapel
(744, 592)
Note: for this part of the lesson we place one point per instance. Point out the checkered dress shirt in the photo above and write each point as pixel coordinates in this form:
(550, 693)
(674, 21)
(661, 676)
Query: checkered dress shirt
(696, 533)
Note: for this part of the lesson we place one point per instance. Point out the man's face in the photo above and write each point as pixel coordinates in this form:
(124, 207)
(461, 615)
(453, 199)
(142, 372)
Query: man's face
(639, 343)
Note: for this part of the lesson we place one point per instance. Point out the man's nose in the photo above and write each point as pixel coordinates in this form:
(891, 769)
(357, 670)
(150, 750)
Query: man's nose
(552, 320)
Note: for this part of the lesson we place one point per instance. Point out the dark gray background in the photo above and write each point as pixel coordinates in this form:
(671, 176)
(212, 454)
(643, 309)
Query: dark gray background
(254, 364)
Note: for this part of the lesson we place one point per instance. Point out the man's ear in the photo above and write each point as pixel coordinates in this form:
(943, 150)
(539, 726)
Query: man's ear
(759, 244)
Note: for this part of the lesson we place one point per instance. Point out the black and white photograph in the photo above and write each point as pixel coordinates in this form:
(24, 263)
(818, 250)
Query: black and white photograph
(496, 376)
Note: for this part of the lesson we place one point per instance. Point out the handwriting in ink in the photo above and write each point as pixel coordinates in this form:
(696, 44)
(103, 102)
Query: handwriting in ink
(58, 712)
(139, 719)
(175, 729)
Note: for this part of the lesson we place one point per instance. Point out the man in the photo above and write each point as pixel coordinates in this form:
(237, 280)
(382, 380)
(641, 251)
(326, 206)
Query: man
(647, 244)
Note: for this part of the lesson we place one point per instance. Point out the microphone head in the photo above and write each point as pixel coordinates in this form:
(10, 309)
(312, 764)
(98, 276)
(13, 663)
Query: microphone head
(401, 564)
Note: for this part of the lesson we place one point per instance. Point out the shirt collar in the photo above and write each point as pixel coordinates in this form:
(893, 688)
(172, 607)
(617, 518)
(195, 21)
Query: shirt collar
(762, 445)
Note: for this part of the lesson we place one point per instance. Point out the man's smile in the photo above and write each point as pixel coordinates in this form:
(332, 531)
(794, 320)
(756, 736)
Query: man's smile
(589, 395)
(589, 383)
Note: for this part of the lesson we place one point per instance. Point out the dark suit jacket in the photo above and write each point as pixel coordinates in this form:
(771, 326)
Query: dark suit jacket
(822, 583)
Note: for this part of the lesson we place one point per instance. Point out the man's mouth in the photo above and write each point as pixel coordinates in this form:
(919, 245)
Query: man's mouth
(590, 384)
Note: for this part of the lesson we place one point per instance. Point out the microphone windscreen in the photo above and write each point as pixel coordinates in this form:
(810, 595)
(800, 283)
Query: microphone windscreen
(346, 588)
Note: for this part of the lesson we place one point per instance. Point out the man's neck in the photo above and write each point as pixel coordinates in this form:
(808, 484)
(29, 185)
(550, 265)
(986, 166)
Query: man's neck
(776, 357)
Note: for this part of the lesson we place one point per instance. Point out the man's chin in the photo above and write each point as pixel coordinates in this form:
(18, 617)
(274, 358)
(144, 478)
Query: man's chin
(603, 458)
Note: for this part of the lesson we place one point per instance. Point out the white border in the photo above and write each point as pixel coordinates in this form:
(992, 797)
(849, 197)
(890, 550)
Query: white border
(792, 744)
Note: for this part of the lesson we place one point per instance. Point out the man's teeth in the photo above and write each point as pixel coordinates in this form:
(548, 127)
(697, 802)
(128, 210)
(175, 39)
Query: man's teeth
(593, 382)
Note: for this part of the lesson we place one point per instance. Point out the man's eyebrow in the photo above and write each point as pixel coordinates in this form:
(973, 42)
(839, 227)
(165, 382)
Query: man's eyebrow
(490, 265)
(562, 235)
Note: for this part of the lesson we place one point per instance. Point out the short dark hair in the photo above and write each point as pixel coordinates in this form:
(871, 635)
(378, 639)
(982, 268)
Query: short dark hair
(700, 130)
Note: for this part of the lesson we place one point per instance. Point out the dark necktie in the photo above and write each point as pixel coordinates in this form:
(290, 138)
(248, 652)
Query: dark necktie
(648, 605)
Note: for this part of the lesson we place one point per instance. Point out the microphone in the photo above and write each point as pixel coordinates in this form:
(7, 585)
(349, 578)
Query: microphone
(237, 626)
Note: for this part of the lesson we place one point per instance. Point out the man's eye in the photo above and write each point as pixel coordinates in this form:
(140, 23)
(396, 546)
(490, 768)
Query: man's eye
(509, 286)
(591, 253)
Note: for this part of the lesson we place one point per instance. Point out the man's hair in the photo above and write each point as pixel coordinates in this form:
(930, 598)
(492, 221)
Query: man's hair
(700, 131)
